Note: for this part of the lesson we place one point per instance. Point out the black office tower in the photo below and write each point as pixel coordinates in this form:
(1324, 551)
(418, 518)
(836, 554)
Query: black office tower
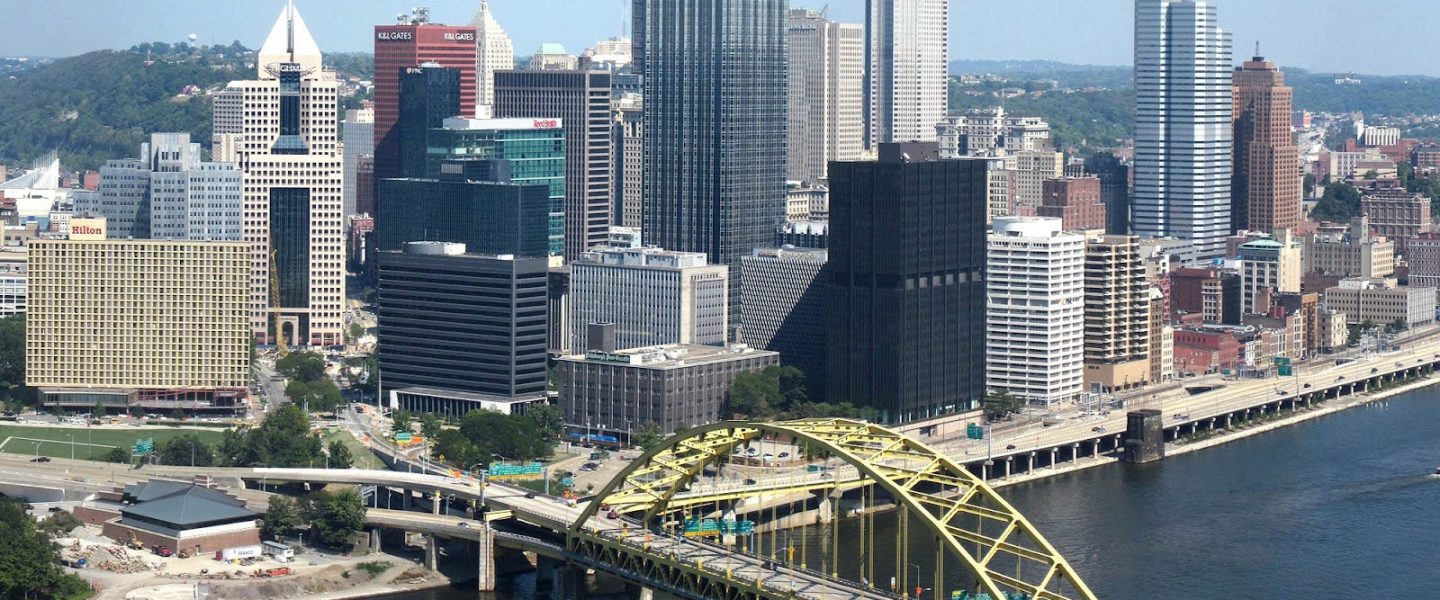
(906, 314)
(715, 113)
(429, 94)
(581, 100)
(472, 202)
(460, 331)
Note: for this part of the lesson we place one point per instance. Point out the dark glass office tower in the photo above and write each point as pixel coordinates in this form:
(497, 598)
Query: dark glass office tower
(472, 202)
(429, 94)
(290, 251)
(715, 111)
(461, 331)
(907, 283)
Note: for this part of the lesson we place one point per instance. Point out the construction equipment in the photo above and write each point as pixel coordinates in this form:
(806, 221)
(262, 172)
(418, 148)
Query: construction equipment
(137, 544)
(280, 348)
(163, 551)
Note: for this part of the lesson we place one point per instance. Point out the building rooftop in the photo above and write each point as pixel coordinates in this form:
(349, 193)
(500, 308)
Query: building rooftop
(670, 356)
(184, 505)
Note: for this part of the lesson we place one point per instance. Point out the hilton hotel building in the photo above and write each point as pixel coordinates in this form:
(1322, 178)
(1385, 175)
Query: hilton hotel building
(160, 324)
(286, 143)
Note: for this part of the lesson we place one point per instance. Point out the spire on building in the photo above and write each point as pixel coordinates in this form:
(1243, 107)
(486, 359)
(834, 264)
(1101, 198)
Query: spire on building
(289, 42)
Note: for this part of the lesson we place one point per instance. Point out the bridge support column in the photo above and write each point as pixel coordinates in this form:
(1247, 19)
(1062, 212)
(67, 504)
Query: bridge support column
(646, 593)
(825, 509)
(985, 469)
(405, 502)
(375, 540)
(1075, 452)
(1144, 436)
(431, 553)
(435, 501)
(486, 554)
(1006, 471)
(1054, 452)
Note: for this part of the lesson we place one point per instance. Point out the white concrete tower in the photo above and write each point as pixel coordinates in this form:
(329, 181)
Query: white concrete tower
(496, 53)
(1035, 310)
(907, 64)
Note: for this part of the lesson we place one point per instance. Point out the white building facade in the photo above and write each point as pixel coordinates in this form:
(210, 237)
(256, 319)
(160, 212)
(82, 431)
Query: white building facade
(652, 296)
(826, 100)
(1035, 310)
(495, 53)
(908, 67)
(289, 151)
(1183, 128)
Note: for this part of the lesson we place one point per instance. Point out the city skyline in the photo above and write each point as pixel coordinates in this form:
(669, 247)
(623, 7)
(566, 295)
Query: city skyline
(1287, 35)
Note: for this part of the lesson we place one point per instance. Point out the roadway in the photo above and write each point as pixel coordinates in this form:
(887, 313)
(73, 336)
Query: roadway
(1181, 407)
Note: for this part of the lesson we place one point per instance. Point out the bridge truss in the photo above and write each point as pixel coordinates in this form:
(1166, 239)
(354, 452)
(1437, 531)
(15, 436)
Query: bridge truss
(1001, 551)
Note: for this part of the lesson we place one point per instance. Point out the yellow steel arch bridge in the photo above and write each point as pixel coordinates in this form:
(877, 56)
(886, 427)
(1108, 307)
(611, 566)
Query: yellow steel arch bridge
(969, 523)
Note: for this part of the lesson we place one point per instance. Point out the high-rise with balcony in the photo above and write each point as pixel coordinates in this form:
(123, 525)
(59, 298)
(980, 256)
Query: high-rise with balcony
(715, 85)
(1183, 127)
(827, 86)
(1117, 314)
(907, 68)
(1265, 194)
(289, 151)
(1035, 310)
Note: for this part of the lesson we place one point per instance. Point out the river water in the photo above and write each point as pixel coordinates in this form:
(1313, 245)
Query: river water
(1342, 507)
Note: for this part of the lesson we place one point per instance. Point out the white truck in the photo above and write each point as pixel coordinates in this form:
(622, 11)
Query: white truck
(279, 552)
(238, 553)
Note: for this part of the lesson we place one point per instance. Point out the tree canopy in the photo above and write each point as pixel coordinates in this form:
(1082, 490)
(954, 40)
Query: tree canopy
(282, 440)
(12, 359)
(1340, 202)
(282, 516)
(185, 450)
(303, 366)
(336, 516)
(29, 565)
(485, 436)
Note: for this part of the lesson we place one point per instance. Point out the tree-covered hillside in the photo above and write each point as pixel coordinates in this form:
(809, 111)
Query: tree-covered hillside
(101, 105)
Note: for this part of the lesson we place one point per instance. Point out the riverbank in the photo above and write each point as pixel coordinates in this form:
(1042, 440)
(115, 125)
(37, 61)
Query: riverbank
(1238, 432)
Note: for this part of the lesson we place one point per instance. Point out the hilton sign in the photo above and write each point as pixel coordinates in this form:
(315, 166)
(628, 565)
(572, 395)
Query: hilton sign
(87, 229)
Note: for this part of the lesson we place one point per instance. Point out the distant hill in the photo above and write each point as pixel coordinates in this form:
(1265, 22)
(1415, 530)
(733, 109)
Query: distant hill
(102, 105)
(1066, 74)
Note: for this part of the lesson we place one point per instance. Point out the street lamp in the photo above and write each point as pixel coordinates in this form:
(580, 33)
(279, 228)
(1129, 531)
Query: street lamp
(72, 445)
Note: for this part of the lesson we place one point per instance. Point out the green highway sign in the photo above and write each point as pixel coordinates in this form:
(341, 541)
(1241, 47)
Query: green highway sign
(402, 437)
(143, 447)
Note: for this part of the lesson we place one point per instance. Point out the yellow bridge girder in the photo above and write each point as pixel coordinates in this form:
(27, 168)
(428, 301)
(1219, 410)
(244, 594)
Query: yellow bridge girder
(997, 545)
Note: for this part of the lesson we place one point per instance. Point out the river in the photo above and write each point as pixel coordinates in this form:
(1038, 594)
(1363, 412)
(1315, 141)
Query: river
(1342, 506)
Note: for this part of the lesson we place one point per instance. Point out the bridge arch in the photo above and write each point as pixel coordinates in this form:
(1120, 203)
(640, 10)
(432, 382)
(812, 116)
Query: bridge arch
(965, 516)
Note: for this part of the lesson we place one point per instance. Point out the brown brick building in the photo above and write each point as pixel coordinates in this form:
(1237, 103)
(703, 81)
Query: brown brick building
(1265, 187)
(1076, 201)
(178, 515)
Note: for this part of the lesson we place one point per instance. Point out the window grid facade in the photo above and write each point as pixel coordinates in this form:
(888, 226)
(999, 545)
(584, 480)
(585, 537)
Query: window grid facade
(138, 314)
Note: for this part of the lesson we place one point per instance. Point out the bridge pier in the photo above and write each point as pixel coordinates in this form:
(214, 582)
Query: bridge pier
(431, 551)
(1053, 453)
(646, 593)
(435, 503)
(1144, 436)
(1075, 452)
(375, 540)
(1006, 471)
(486, 555)
(405, 500)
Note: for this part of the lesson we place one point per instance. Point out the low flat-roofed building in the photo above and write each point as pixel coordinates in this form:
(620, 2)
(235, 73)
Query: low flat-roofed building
(1381, 302)
(674, 386)
(177, 515)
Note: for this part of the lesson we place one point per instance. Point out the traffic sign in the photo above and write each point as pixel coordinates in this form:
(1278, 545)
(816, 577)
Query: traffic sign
(403, 437)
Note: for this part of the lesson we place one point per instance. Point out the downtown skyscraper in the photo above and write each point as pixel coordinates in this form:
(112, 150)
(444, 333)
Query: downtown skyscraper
(412, 42)
(827, 89)
(288, 149)
(1183, 126)
(1266, 187)
(907, 69)
(714, 123)
(494, 52)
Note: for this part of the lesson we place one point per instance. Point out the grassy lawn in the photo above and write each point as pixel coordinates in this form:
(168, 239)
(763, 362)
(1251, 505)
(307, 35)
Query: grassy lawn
(90, 444)
(364, 458)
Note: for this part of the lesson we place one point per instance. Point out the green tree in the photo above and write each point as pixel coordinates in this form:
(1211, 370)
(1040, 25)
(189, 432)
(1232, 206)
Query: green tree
(1308, 184)
(1396, 326)
(29, 565)
(1000, 404)
(282, 440)
(1340, 202)
(340, 456)
(116, 455)
(320, 395)
(281, 517)
(338, 516)
(302, 366)
(754, 395)
(12, 358)
(186, 450)
(548, 419)
(648, 436)
(98, 410)
(485, 435)
(401, 420)
(356, 331)
(430, 425)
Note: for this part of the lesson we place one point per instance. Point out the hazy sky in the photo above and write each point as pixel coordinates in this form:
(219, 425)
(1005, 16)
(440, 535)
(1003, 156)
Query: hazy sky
(1363, 36)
